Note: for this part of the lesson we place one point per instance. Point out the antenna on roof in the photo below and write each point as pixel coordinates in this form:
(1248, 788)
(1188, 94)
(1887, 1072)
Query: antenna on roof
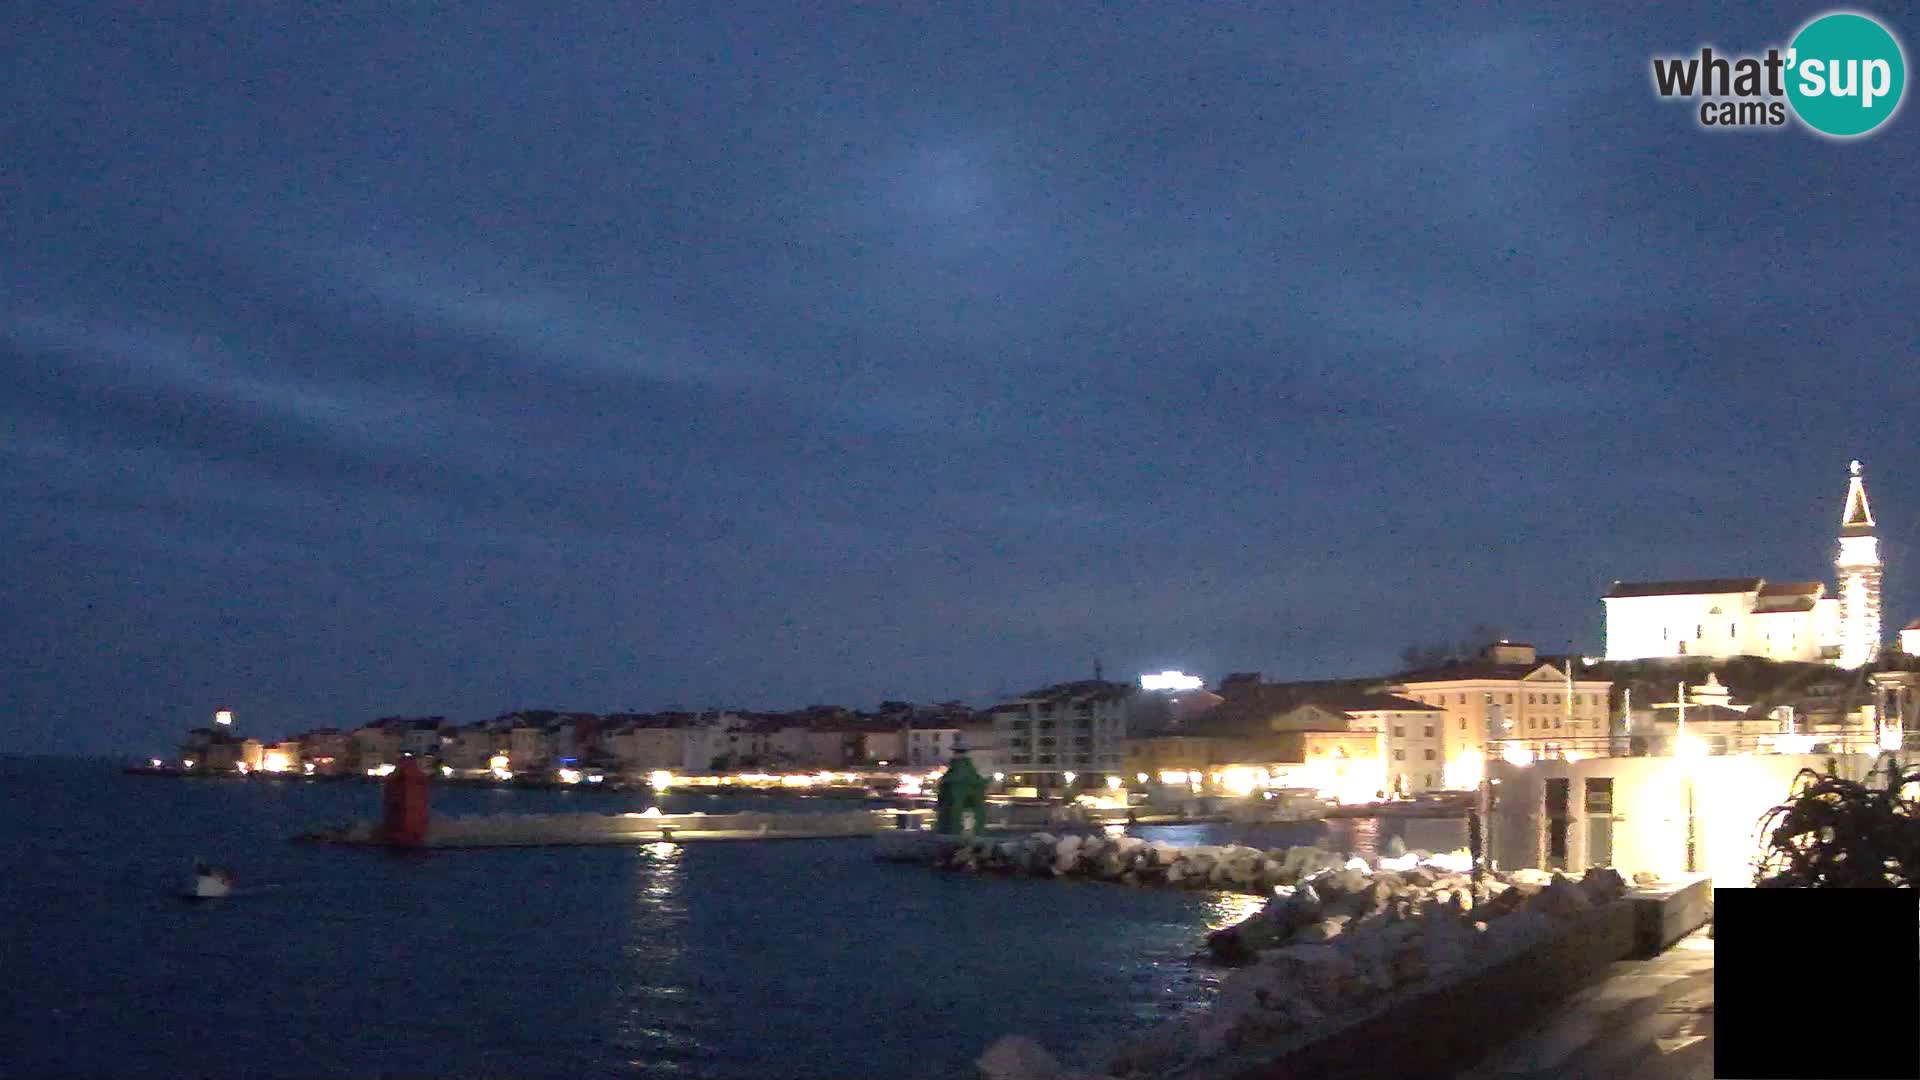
(1099, 674)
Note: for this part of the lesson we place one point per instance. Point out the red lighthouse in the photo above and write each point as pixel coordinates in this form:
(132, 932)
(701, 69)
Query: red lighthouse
(405, 801)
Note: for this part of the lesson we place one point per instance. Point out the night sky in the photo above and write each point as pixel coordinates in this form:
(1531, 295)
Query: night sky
(455, 359)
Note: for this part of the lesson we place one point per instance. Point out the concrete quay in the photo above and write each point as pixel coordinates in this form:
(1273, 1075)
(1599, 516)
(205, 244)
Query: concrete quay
(572, 830)
(1647, 1018)
(1608, 994)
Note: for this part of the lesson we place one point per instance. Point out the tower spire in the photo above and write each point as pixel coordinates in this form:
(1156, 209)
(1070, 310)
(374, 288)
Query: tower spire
(1858, 567)
(1856, 519)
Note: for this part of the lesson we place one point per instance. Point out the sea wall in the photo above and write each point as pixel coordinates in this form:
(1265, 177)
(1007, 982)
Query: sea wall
(1342, 964)
(1134, 861)
(535, 830)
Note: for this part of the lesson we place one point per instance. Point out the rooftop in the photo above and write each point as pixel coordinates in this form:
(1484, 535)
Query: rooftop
(1692, 587)
(1470, 670)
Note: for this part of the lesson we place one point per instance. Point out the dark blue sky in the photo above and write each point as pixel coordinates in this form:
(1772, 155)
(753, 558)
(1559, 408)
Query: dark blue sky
(374, 359)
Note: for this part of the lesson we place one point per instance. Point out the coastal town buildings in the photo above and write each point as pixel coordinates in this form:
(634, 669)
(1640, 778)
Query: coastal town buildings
(328, 750)
(1753, 616)
(471, 747)
(529, 746)
(376, 744)
(283, 756)
(1407, 734)
(1509, 692)
(1058, 735)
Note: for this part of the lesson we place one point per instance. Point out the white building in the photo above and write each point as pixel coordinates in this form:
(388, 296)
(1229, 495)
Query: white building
(1726, 617)
(1666, 815)
(1079, 728)
(1858, 565)
(1722, 617)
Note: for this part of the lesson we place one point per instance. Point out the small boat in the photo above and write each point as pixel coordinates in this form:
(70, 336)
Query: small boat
(210, 883)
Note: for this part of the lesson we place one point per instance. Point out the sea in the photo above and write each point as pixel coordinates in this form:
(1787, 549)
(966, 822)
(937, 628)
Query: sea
(717, 961)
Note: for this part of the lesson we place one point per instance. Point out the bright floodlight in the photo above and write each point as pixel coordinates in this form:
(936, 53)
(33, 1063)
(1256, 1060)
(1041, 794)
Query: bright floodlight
(224, 718)
(1171, 680)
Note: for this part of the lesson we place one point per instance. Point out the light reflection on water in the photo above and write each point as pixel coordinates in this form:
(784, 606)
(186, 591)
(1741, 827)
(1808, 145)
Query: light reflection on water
(1226, 909)
(654, 1020)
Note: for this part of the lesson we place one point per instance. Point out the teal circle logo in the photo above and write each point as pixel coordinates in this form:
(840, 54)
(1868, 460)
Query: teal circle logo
(1845, 74)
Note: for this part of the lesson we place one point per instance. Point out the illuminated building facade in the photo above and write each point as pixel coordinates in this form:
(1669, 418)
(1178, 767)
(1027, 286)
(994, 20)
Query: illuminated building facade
(1078, 728)
(1858, 572)
(1508, 692)
(1727, 617)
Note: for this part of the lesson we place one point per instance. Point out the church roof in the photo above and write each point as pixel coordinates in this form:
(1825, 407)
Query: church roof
(1787, 596)
(1694, 587)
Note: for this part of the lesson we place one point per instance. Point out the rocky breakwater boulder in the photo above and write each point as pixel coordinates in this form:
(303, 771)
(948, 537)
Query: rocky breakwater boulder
(1344, 939)
(1131, 860)
(1016, 1057)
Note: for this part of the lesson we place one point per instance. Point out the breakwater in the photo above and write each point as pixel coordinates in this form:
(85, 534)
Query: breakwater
(1134, 861)
(570, 830)
(1350, 967)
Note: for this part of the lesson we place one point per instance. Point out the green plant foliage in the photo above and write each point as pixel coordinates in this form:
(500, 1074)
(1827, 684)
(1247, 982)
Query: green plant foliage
(1835, 833)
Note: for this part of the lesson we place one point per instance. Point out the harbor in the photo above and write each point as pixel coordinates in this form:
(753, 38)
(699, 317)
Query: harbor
(893, 822)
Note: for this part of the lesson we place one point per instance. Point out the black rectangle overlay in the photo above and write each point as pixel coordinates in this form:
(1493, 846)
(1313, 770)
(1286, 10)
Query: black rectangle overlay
(1816, 983)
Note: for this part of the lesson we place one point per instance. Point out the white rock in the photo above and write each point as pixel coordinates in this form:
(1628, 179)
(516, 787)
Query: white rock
(1530, 879)
(1065, 854)
(1016, 1057)
(1321, 932)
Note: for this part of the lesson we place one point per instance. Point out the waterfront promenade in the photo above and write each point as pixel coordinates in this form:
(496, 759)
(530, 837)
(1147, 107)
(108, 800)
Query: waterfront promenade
(1648, 1019)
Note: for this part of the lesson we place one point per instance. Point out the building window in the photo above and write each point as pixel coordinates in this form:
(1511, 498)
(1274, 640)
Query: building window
(1599, 794)
(1429, 755)
(1463, 723)
(1509, 699)
(1732, 631)
(1399, 731)
(1399, 755)
(1698, 631)
(1463, 699)
(1429, 731)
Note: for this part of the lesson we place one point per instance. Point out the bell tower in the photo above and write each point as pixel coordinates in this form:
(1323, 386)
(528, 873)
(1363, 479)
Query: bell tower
(1858, 566)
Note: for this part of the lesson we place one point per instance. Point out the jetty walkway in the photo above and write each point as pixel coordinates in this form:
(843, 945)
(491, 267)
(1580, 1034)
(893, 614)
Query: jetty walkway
(1649, 1019)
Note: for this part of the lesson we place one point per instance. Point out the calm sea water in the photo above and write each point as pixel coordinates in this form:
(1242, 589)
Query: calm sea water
(720, 960)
